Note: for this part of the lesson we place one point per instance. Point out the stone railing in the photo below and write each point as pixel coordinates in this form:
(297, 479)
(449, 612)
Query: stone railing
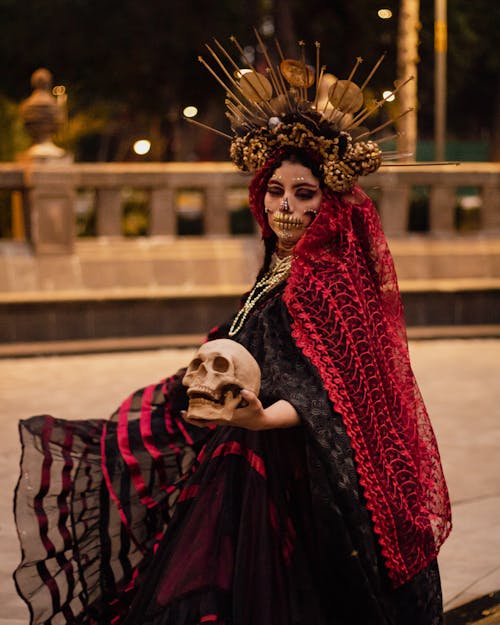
(48, 193)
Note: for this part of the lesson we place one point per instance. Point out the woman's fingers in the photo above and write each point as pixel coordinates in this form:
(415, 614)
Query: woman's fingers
(251, 398)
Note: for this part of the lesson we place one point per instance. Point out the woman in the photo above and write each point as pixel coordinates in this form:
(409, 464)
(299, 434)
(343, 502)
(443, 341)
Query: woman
(322, 503)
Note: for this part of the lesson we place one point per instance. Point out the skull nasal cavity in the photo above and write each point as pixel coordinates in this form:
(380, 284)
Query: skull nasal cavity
(221, 364)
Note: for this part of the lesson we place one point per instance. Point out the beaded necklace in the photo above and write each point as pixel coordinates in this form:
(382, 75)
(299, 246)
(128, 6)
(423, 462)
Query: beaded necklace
(268, 281)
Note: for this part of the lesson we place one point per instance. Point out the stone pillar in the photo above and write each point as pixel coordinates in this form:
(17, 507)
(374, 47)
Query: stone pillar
(216, 214)
(490, 210)
(49, 200)
(109, 212)
(163, 217)
(443, 202)
(394, 205)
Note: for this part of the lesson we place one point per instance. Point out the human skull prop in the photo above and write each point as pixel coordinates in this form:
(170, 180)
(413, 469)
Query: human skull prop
(216, 375)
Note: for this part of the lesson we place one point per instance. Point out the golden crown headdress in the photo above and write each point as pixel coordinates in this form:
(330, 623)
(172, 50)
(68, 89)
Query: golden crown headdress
(272, 110)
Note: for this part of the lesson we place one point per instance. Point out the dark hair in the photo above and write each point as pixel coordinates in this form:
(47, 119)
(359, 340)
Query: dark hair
(302, 157)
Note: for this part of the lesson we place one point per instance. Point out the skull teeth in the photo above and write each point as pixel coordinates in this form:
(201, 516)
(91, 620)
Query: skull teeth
(203, 393)
(199, 400)
(287, 222)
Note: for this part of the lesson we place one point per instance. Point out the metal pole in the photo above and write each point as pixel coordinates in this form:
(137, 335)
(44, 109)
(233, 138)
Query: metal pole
(440, 48)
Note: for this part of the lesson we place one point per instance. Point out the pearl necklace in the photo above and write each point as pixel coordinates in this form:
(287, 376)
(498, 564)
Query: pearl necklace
(273, 277)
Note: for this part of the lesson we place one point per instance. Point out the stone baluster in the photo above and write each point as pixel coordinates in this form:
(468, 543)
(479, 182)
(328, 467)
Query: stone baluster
(216, 214)
(490, 209)
(163, 217)
(442, 206)
(109, 212)
(394, 204)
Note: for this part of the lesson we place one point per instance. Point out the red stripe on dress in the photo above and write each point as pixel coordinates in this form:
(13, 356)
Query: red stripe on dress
(189, 492)
(87, 472)
(68, 613)
(168, 417)
(66, 486)
(128, 456)
(145, 425)
(50, 582)
(287, 537)
(42, 519)
(112, 494)
(41, 516)
(171, 431)
(185, 433)
(237, 449)
(64, 512)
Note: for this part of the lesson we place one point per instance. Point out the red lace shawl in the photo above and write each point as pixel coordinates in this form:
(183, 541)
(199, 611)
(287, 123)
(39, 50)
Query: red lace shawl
(347, 318)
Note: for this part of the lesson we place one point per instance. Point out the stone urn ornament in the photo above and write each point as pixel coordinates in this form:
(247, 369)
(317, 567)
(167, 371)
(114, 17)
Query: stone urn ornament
(42, 117)
(215, 376)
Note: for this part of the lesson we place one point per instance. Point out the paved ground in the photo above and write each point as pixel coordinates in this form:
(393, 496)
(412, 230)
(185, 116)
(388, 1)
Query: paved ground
(459, 380)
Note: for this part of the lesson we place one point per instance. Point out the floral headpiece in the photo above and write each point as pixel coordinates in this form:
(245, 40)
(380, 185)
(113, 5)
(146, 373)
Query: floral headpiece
(272, 110)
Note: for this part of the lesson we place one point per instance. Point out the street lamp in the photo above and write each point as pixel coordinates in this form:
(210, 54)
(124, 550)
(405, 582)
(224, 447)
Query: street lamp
(440, 48)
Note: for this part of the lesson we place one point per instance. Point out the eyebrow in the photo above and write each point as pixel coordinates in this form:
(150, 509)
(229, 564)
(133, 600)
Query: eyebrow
(297, 183)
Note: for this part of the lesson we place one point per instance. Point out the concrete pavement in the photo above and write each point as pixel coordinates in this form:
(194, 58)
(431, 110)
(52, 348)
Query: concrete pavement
(460, 383)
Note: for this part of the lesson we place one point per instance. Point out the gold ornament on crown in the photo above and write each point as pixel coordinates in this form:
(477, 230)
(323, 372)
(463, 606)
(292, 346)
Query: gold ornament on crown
(272, 110)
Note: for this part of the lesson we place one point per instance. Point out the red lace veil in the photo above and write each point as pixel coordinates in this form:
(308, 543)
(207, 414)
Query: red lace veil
(347, 318)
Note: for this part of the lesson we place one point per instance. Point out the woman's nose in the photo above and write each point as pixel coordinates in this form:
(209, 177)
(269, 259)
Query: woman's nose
(285, 207)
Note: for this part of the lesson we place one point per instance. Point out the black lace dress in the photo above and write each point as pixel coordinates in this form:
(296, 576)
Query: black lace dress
(276, 529)
(266, 528)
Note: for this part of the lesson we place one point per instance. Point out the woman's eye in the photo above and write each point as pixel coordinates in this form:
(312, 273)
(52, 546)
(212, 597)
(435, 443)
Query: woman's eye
(274, 191)
(305, 195)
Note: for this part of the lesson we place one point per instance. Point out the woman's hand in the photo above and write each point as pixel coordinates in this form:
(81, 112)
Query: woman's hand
(254, 416)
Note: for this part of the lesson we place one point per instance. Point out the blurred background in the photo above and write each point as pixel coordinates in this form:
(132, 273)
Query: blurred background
(129, 68)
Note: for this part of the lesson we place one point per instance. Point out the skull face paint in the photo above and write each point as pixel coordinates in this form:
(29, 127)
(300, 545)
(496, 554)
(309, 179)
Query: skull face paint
(292, 200)
(215, 377)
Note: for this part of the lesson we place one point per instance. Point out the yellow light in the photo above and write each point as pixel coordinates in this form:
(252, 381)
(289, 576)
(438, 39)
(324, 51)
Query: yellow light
(385, 14)
(59, 90)
(142, 146)
(388, 96)
(190, 111)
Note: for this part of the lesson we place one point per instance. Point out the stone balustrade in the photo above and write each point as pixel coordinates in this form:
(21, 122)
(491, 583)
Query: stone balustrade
(55, 286)
(49, 195)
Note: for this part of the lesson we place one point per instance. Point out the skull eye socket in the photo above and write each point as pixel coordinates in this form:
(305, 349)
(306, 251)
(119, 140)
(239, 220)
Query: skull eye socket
(195, 364)
(221, 364)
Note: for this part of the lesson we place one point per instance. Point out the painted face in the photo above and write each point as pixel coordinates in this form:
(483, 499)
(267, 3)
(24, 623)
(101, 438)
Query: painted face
(291, 202)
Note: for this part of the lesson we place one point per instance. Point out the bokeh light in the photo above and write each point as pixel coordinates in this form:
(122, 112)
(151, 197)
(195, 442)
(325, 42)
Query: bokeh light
(385, 14)
(190, 111)
(388, 96)
(142, 146)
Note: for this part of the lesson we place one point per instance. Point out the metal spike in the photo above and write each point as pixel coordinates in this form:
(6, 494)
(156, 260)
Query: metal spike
(266, 56)
(387, 123)
(217, 132)
(420, 164)
(375, 68)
